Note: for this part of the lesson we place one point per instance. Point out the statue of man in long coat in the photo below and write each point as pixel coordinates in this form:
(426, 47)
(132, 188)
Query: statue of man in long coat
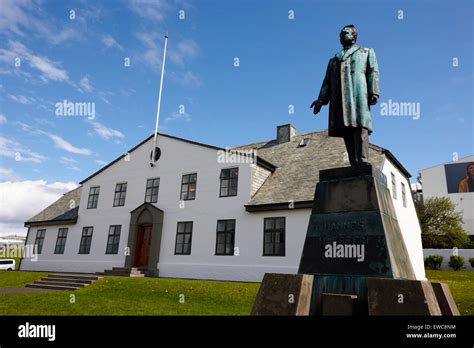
(351, 85)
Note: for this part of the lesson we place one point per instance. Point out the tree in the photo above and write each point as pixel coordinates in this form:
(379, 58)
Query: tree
(441, 224)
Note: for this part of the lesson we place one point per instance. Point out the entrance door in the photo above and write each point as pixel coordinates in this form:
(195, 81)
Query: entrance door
(142, 246)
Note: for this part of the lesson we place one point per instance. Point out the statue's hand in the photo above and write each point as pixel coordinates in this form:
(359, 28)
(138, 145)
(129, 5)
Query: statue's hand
(373, 99)
(316, 106)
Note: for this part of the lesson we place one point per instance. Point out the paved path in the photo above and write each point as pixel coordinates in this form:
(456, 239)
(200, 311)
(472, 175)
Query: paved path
(21, 290)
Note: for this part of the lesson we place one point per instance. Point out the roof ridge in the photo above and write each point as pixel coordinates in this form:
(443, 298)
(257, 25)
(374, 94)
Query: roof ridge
(268, 141)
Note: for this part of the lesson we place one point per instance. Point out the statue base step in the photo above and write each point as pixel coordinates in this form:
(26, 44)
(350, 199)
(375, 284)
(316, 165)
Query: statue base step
(326, 295)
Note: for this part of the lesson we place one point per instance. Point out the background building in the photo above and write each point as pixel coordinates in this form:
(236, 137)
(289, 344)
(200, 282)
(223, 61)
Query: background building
(444, 180)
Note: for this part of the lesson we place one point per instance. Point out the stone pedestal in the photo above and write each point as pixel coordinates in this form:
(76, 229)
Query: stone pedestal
(445, 299)
(338, 304)
(353, 228)
(401, 297)
(355, 252)
(284, 294)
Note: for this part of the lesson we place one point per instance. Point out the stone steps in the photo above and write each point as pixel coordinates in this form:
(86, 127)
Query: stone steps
(51, 287)
(69, 280)
(92, 277)
(133, 272)
(60, 283)
(64, 281)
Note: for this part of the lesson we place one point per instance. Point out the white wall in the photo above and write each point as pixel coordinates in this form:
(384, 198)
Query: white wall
(71, 260)
(250, 265)
(434, 185)
(407, 218)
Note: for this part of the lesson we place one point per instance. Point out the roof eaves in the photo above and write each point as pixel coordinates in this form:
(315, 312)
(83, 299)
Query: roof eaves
(115, 161)
(51, 222)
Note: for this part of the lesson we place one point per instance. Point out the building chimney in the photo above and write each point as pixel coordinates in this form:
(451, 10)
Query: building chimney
(285, 133)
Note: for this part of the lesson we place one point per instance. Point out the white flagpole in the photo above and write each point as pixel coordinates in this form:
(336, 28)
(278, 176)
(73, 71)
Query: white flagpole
(159, 101)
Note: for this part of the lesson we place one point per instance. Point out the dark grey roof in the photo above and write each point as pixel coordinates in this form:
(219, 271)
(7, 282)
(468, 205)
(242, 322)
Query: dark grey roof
(60, 211)
(298, 168)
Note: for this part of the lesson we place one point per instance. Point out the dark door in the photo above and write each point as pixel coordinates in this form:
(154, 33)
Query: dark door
(142, 246)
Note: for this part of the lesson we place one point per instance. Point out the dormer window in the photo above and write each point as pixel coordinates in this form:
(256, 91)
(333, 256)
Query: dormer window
(303, 142)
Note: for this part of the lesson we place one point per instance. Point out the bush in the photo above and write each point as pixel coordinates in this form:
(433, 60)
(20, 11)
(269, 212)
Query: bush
(456, 262)
(471, 261)
(433, 261)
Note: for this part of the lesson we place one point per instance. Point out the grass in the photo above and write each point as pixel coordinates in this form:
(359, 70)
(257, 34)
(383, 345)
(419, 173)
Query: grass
(12, 279)
(161, 296)
(461, 284)
(134, 296)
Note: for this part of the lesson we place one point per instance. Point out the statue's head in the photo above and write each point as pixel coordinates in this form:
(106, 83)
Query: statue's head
(348, 35)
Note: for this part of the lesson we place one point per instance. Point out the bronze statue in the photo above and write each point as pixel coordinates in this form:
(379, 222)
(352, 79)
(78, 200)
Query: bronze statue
(351, 85)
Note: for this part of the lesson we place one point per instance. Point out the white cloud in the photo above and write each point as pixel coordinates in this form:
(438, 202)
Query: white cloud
(20, 99)
(153, 43)
(153, 52)
(104, 94)
(68, 159)
(187, 78)
(176, 116)
(13, 16)
(59, 142)
(150, 9)
(21, 200)
(185, 50)
(63, 144)
(3, 119)
(70, 163)
(44, 122)
(18, 17)
(85, 84)
(12, 149)
(8, 174)
(49, 70)
(106, 132)
(110, 42)
(127, 92)
(103, 163)
(26, 127)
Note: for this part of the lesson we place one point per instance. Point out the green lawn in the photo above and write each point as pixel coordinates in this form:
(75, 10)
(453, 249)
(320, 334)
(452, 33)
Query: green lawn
(12, 279)
(161, 296)
(461, 284)
(132, 296)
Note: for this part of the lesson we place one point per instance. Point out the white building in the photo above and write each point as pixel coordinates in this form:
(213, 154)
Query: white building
(198, 214)
(12, 240)
(440, 181)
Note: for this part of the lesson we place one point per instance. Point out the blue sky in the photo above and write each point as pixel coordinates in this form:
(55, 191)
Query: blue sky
(282, 63)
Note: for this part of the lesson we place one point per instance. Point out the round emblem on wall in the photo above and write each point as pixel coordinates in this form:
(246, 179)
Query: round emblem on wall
(157, 154)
